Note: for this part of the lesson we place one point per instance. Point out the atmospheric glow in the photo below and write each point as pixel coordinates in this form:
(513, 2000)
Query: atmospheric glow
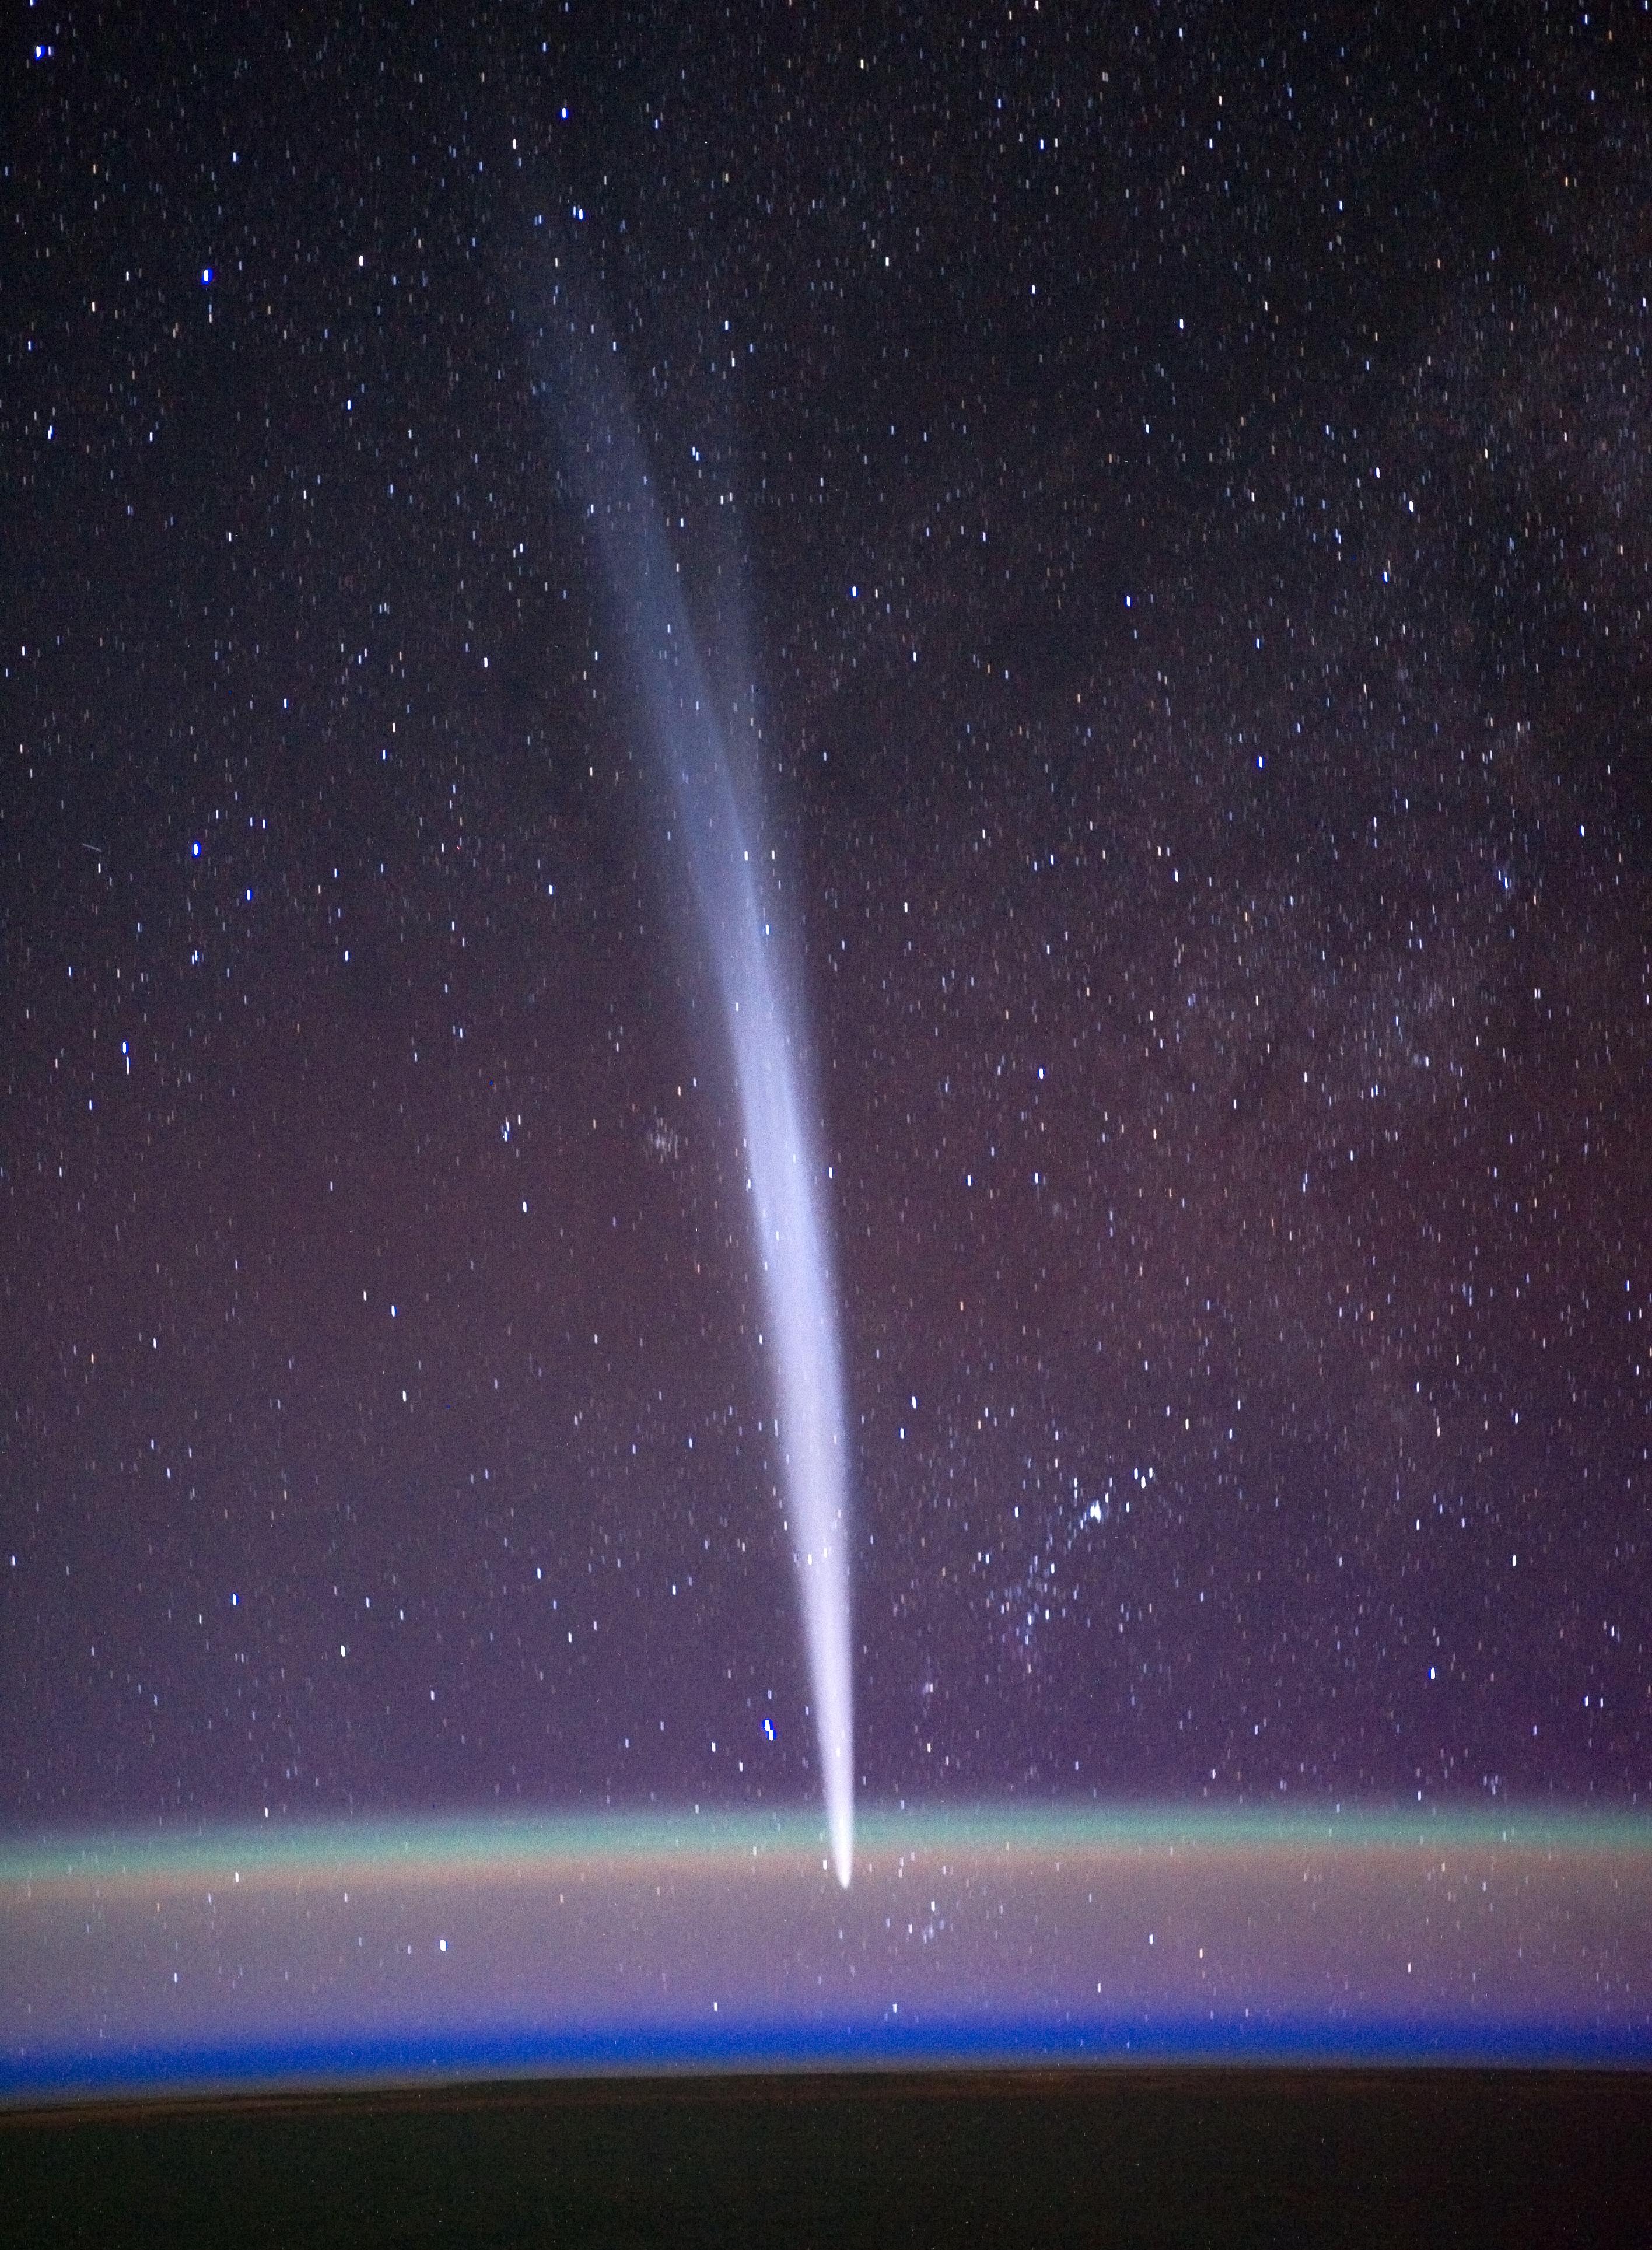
(990, 1932)
(721, 821)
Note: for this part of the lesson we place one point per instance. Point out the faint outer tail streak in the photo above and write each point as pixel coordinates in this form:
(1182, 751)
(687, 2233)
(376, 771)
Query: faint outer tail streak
(790, 1229)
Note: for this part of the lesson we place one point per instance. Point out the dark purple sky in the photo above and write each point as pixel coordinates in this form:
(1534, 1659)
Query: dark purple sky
(1180, 490)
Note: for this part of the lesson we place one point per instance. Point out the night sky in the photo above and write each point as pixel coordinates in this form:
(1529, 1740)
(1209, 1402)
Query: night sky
(1173, 485)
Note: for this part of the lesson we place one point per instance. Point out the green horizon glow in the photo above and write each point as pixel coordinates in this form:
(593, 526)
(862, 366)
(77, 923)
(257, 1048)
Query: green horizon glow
(693, 1835)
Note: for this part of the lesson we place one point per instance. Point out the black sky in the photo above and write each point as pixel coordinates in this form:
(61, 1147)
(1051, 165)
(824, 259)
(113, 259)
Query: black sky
(1177, 483)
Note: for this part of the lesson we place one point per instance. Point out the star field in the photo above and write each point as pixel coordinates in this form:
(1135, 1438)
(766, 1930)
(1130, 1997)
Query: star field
(1171, 494)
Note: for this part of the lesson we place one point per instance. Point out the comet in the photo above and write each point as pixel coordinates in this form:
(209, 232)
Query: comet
(720, 815)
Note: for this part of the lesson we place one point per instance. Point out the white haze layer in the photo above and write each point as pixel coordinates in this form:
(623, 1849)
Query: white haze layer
(720, 822)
